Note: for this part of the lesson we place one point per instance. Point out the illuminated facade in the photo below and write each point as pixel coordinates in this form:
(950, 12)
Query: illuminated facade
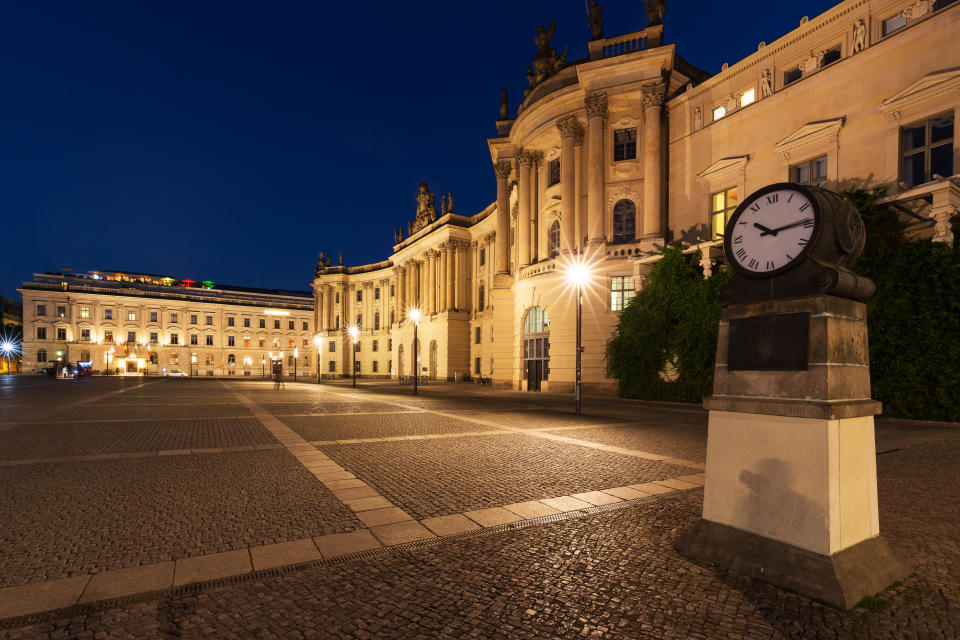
(143, 324)
(612, 156)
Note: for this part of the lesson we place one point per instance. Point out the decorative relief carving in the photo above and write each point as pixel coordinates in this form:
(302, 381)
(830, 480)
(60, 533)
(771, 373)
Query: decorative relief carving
(697, 118)
(859, 35)
(596, 105)
(766, 83)
(426, 209)
(570, 127)
(624, 193)
(525, 158)
(811, 63)
(918, 9)
(502, 169)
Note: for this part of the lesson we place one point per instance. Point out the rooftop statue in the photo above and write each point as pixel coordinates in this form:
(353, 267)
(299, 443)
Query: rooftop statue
(504, 104)
(547, 62)
(426, 209)
(595, 12)
(655, 11)
(323, 261)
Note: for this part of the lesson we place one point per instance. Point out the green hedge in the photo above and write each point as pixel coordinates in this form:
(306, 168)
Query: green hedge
(913, 321)
(673, 319)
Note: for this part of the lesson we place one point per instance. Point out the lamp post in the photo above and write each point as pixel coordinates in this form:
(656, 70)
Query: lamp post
(263, 366)
(578, 274)
(354, 333)
(296, 354)
(318, 340)
(193, 362)
(414, 315)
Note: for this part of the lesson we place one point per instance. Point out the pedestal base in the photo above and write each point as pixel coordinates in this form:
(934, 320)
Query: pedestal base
(841, 579)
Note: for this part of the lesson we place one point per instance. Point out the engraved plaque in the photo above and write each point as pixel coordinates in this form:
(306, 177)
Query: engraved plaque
(769, 343)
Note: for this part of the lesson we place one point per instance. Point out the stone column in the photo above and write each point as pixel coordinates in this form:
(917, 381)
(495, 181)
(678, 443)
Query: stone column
(571, 135)
(536, 158)
(475, 285)
(524, 160)
(451, 269)
(399, 274)
(432, 282)
(444, 274)
(596, 105)
(502, 170)
(652, 106)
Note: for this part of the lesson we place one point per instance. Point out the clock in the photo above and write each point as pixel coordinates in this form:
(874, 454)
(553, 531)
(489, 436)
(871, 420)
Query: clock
(773, 230)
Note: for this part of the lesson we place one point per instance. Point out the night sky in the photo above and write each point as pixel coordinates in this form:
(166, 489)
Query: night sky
(230, 141)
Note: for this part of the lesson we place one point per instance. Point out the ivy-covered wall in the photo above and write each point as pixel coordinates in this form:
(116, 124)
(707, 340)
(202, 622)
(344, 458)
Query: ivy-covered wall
(913, 322)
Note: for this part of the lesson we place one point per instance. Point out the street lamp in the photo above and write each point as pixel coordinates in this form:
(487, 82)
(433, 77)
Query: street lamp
(263, 366)
(354, 332)
(193, 363)
(318, 340)
(578, 274)
(415, 317)
(296, 354)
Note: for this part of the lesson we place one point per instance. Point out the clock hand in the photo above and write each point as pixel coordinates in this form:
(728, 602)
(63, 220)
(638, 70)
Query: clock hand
(766, 231)
(786, 226)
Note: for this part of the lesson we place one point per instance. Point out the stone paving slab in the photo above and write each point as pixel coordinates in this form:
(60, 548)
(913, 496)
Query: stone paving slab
(449, 525)
(626, 493)
(653, 488)
(284, 553)
(369, 504)
(566, 503)
(211, 567)
(493, 516)
(531, 509)
(379, 517)
(401, 532)
(125, 582)
(596, 498)
(41, 596)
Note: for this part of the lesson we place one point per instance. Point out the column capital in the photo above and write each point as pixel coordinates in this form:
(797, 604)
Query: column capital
(502, 169)
(525, 159)
(596, 105)
(570, 127)
(653, 95)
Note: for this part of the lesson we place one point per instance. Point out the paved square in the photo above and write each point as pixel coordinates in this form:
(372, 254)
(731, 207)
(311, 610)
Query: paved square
(119, 486)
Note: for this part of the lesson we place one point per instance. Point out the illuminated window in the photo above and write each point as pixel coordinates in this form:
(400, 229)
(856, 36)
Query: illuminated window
(813, 172)
(174, 358)
(231, 359)
(722, 205)
(554, 243)
(61, 311)
(719, 112)
(553, 172)
(261, 342)
(209, 359)
(927, 148)
(131, 315)
(621, 292)
(748, 97)
(108, 336)
(246, 341)
(290, 343)
(624, 144)
(304, 343)
(276, 343)
(84, 312)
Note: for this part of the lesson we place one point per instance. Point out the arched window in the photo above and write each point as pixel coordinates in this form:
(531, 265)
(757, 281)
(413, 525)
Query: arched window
(536, 321)
(554, 236)
(480, 298)
(231, 359)
(42, 355)
(624, 221)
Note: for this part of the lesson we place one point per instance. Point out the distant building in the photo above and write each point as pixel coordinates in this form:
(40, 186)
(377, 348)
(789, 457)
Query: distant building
(611, 156)
(134, 323)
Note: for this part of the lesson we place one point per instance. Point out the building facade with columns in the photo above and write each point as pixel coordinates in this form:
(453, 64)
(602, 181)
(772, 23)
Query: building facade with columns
(612, 156)
(143, 324)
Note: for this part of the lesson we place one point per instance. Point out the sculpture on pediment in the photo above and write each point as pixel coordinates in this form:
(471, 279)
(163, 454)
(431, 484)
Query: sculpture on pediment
(504, 104)
(397, 236)
(340, 256)
(859, 36)
(810, 63)
(766, 84)
(546, 62)
(655, 10)
(595, 12)
(426, 209)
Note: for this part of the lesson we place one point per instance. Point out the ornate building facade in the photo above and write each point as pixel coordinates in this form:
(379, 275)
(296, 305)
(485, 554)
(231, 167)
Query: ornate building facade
(612, 156)
(133, 323)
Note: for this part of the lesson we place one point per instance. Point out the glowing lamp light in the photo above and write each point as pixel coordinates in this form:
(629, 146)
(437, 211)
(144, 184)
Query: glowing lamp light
(354, 332)
(318, 340)
(6, 347)
(414, 314)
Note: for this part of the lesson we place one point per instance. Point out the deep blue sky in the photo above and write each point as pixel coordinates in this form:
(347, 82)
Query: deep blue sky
(230, 141)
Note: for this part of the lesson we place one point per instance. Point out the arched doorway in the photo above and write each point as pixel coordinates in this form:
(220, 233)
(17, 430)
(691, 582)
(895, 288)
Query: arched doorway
(400, 361)
(433, 360)
(536, 348)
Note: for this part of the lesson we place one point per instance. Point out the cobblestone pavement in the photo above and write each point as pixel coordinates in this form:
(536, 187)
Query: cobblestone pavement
(612, 574)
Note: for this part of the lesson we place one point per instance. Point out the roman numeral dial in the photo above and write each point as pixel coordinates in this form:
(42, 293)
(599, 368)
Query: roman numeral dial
(771, 231)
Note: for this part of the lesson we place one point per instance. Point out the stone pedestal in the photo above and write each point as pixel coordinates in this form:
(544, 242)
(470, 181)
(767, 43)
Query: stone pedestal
(791, 479)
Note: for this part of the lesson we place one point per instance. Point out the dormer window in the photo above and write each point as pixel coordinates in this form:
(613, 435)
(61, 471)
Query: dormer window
(748, 97)
(719, 112)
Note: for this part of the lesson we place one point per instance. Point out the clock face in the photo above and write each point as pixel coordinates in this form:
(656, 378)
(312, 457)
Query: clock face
(771, 230)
